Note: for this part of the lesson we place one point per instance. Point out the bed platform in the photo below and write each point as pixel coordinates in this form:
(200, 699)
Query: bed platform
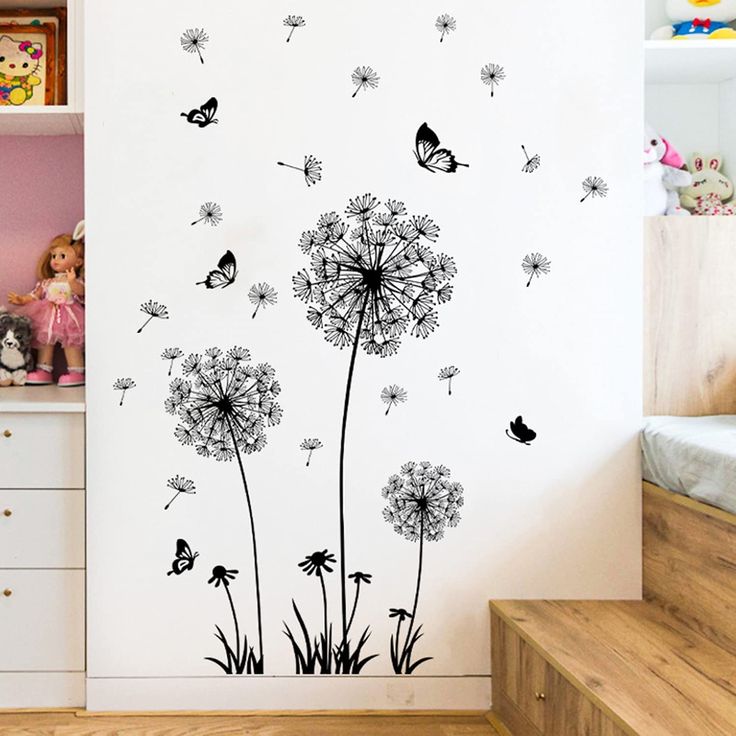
(664, 666)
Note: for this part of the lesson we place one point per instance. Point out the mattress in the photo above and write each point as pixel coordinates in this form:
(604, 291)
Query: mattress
(695, 456)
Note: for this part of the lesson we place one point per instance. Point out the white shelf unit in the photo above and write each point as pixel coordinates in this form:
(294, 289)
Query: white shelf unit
(57, 119)
(691, 90)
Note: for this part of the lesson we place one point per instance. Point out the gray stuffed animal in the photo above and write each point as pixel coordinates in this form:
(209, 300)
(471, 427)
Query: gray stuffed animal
(15, 349)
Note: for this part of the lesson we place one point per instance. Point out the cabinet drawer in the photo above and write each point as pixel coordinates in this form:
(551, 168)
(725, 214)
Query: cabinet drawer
(41, 450)
(42, 621)
(518, 672)
(41, 528)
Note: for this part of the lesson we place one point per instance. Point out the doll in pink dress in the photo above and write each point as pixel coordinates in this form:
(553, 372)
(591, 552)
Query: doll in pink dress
(56, 309)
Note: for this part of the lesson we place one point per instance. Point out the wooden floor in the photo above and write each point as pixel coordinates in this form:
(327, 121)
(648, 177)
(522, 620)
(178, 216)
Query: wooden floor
(72, 724)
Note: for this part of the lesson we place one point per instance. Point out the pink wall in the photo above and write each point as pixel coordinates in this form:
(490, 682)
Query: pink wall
(42, 195)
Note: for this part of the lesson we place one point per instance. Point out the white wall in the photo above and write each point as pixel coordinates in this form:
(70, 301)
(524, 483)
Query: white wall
(558, 519)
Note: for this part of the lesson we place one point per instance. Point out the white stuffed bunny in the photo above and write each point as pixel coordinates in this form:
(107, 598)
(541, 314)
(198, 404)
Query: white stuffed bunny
(688, 23)
(710, 187)
(662, 176)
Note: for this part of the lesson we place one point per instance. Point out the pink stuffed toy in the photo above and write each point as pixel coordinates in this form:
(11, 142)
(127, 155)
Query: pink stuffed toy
(662, 176)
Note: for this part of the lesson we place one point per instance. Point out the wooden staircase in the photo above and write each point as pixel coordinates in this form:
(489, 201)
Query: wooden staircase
(665, 666)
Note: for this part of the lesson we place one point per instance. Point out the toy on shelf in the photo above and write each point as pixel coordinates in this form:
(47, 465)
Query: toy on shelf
(56, 309)
(662, 176)
(15, 349)
(685, 24)
(710, 189)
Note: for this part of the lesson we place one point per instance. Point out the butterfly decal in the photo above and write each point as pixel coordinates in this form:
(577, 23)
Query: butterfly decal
(204, 116)
(430, 156)
(184, 559)
(223, 275)
(521, 433)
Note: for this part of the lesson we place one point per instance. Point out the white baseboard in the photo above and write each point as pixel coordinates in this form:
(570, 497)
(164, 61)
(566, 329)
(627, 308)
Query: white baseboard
(288, 693)
(42, 690)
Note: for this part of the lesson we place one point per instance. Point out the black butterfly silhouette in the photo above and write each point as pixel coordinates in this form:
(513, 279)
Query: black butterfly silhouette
(223, 275)
(184, 559)
(428, 154)
(204, 116)
(522, 434)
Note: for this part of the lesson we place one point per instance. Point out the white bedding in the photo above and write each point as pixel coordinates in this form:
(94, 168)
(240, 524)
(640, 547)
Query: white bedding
(695, 456)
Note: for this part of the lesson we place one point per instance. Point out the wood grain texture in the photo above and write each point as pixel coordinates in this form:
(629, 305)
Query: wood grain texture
(648, 673)
(690, 564)
(69, 724)
(689, 316)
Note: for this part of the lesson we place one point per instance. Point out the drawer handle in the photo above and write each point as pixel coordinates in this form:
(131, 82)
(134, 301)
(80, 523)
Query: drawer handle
(7, 433)
(7, 592)
(540, 696)
(7, 512)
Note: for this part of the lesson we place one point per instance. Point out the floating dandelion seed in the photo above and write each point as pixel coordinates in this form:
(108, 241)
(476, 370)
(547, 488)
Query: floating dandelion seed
(312, 169)
(447, 374)
(180, 485)
(210, 213)
(492, 75)
(445, 24)
(594, 186)
(293, 22)
(123, 384)
(364, 78)
(171, 354)
(310, 446)
(154, 310)
(393, 396)
(532, 164)
(262, 295)
(535, 264)
(193, 41)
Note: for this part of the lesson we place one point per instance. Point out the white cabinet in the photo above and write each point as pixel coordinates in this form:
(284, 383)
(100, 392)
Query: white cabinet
(42, 547)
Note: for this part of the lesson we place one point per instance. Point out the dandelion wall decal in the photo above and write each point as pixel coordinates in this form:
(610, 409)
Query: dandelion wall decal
(312, 169)
(422, 503)
(532, 164)
(594, 187)
(364, 78)
(447, 374)
(172, 354)
(184, 559)
(123, 384)
(225, 405)
(372, 278)
(241, 659)
(393, 395)
(193, 41)
(535, 265)
(445, 24)
(210, 213)
(492, 75)
(310, 445)
(262, 295)
(293, 22)
(520, 432)
(181, 485)
(154, 310)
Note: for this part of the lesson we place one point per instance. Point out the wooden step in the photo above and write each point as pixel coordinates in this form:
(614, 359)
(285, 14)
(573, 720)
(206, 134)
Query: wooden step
(648, 672)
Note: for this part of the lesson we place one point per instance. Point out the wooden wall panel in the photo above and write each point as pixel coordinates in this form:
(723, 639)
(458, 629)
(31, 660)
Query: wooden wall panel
(690, 316)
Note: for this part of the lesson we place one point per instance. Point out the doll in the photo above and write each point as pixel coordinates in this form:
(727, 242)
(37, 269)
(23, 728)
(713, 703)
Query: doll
(56, 309)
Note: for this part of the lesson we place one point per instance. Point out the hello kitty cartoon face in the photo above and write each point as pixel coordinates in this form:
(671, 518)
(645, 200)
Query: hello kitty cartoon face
(18, 58)
(723, 11)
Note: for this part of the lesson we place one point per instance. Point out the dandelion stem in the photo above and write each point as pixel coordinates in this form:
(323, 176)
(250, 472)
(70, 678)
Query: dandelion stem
(387, 410)
(325, 649)
(356, 92)
(355, 604)
(289, 166)
(237, 628)
(171, 365)
(258, 306)
(253, 538)
(124, 390)
(290, 32)
(351, 369)
(166, 508)
(449, 386)
(587, 195)
(526, 154)
(419, 583)
(309, 457)
(141, 330)
(528, 283)
(196, 222)
(199, 53)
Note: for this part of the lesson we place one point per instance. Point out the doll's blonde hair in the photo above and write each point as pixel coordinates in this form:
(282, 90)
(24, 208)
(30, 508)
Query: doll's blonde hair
(44, 270)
